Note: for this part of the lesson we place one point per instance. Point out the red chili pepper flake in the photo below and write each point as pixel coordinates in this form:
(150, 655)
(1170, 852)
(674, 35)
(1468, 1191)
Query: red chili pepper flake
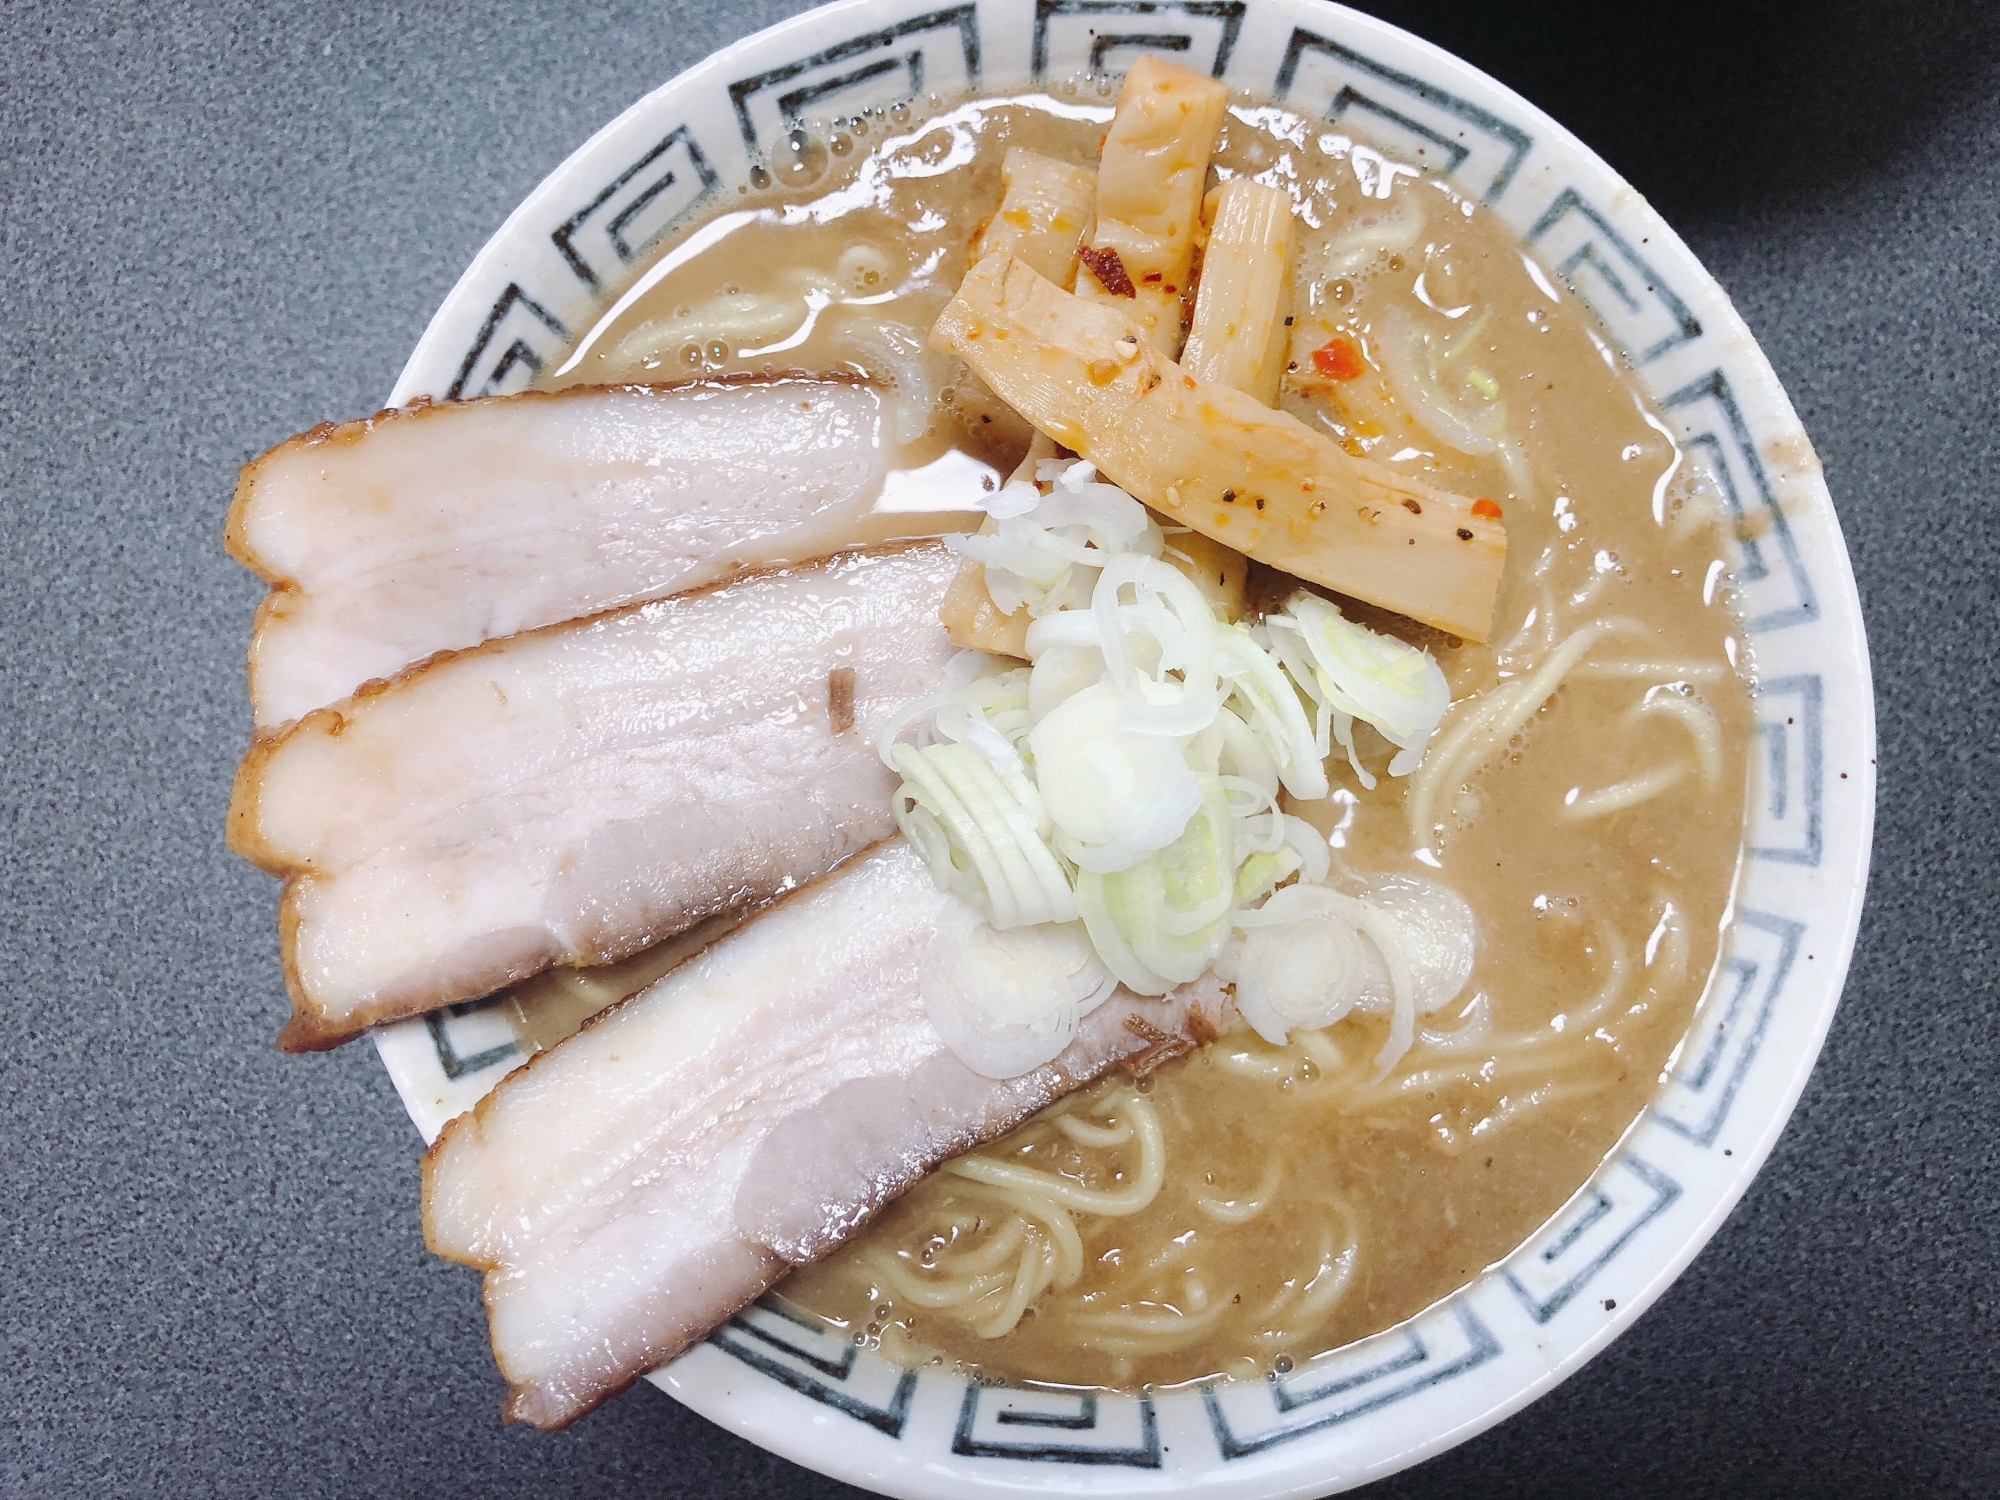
(1486, 509)
(1109, 270)
(1339, 359)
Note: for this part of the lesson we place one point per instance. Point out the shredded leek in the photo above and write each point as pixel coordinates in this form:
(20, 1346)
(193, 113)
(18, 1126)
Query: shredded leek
(1123, 793)
(1162, 921)
(1353, 672)
(969, 805)
(1045, 551)
(1009, 1001)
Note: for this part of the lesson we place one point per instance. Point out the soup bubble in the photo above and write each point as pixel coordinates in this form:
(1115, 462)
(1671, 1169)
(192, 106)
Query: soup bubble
(800, 160)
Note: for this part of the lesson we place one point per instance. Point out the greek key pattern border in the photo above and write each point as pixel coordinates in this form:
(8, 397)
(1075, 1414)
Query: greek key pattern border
(1561, 1273)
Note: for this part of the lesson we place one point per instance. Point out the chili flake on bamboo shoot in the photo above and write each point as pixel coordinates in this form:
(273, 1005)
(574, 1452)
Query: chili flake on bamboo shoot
(1259, 481)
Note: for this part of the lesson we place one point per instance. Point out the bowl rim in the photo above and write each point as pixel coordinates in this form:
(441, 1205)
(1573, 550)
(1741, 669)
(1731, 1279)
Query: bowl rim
(708, 1379)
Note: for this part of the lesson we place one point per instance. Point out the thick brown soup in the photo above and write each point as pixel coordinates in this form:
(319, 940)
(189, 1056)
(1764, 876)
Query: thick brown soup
(1246, 1205)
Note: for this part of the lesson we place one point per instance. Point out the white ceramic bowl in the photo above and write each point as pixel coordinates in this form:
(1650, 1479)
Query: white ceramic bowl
(1456, 1369)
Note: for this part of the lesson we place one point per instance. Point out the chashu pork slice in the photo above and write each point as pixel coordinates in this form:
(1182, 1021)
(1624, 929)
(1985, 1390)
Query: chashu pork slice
(436, 527)
(631, 1188)
(573, 794)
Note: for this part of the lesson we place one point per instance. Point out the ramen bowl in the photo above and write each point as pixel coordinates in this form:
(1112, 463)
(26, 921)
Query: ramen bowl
(803, 1390)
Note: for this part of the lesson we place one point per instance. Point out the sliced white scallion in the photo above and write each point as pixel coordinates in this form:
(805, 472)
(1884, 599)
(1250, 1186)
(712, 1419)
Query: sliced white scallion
(1008, 1001)
(1159, 650)
(1162, 920)
(960, 673)
(969, 805)
(1113, 794)
(1268, 701)
(1112, 813)
(1353, 672)
(1043, 554)
(1303, 963)
(1060, 673)
(978, 837)
(1438, 932)
(1309, 956)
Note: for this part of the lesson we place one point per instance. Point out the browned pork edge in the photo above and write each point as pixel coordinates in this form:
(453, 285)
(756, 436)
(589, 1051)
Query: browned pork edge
(1195, 1028)
(342, 434)
(307, 1030)
(240, 830)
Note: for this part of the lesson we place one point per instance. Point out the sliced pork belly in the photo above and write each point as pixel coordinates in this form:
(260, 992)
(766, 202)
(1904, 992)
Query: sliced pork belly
(631, 1188)
(573, 794)
(437, 527)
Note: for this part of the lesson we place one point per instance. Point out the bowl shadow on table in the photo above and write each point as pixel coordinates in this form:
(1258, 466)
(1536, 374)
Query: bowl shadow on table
(1718, 108)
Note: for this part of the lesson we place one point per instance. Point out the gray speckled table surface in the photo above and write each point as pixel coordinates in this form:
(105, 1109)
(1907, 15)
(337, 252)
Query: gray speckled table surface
(219, 224)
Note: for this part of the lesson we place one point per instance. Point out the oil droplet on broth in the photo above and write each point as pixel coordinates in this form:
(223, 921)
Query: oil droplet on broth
(800, 160)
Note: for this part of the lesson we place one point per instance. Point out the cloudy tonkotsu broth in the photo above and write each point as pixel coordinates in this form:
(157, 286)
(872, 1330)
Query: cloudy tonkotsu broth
(1248, 1205)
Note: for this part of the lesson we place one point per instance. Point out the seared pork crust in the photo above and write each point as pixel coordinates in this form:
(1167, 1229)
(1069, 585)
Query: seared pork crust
(434, 527)
(631, 1188)
(576, 793)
